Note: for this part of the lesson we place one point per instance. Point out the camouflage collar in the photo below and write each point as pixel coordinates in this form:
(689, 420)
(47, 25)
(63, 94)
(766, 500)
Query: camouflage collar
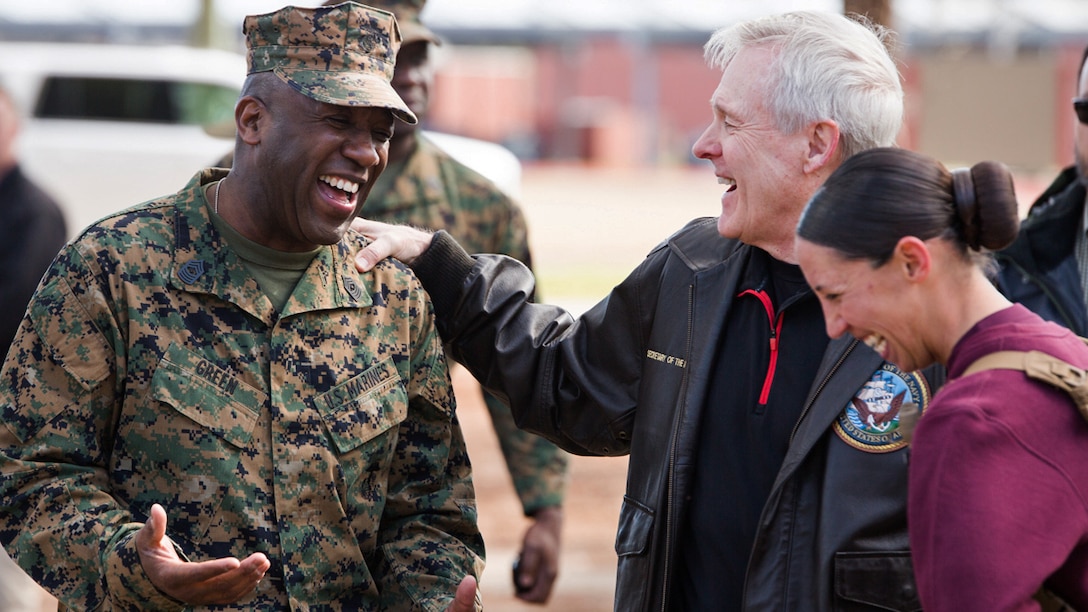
(205, 263)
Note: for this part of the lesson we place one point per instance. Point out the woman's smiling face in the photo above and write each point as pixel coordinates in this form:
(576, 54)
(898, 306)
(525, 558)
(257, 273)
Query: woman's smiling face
(873, 304)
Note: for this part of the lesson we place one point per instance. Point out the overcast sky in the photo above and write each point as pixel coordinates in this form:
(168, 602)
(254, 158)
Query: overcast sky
(1058, 15)
(477, 10)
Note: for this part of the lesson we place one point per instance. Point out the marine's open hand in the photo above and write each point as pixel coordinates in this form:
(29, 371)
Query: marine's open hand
(220, 581)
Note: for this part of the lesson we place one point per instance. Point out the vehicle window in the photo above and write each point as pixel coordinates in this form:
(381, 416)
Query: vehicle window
(149, 101)
(205, 104)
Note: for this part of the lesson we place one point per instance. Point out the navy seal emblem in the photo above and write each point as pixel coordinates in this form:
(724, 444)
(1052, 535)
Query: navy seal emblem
(870, 422)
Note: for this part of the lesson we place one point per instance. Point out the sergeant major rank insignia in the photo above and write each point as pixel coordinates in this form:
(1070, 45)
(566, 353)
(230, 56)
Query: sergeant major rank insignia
(191, 270)
(871, 421)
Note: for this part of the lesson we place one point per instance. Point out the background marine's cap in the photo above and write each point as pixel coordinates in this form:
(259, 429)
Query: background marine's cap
(341, 54)
(407, 12)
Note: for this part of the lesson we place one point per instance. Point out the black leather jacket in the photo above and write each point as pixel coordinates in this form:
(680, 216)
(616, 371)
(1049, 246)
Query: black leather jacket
(630, 377)
(1039, 269)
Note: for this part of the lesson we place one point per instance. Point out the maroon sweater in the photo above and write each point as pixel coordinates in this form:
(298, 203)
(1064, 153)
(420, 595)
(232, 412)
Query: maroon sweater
(999, 478)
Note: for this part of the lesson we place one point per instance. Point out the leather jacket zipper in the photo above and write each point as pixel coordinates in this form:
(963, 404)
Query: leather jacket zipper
(776, 331)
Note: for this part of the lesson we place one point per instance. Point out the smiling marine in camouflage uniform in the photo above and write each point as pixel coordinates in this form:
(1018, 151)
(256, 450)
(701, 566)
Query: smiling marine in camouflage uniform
(208, 405)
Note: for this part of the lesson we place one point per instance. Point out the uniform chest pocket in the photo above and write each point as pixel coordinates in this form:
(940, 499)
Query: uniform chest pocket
(208, 395)
(365, 407)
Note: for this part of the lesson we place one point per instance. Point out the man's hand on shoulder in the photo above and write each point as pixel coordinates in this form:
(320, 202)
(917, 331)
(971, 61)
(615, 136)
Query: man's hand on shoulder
(398, 241)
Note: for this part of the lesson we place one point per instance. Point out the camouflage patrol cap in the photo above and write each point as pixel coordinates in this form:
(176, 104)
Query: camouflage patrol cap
(342, 54)
(407, 12)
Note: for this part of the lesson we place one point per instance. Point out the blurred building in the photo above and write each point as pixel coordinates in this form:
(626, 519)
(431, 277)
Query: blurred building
(622, 82)
(625, 83)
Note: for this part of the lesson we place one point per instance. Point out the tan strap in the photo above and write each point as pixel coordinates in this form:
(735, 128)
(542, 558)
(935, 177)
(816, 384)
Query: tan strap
(1001, 360)
(1040, 366)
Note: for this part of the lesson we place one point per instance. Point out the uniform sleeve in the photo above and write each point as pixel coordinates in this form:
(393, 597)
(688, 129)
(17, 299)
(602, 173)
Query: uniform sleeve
(990, 515)
(429, 535)
(59, 402)
(537, 467)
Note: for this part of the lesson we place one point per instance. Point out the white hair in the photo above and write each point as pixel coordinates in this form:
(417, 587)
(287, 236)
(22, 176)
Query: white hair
(827, 66)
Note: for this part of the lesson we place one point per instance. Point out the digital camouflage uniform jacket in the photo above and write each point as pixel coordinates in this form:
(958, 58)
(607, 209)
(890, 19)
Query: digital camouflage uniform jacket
(435, 191)
(154, 370)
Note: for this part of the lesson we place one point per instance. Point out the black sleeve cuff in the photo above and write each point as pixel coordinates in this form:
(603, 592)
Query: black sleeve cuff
(442, 269)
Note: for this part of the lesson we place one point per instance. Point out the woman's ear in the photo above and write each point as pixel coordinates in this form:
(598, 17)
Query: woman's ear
(913, 258)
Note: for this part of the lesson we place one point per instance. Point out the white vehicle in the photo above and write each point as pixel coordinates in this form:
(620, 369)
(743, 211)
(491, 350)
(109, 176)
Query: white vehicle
(108, 126)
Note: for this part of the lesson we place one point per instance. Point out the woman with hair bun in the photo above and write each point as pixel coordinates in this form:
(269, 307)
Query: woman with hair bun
(896, 247)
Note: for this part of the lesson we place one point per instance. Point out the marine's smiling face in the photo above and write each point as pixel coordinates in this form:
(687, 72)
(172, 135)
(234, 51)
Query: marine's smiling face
(319, 161)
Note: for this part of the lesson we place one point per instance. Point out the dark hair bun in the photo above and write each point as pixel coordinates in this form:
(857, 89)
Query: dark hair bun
(996, 217)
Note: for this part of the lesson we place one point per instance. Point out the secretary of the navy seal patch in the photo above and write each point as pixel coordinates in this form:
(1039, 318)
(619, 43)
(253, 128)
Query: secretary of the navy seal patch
(870, 421)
